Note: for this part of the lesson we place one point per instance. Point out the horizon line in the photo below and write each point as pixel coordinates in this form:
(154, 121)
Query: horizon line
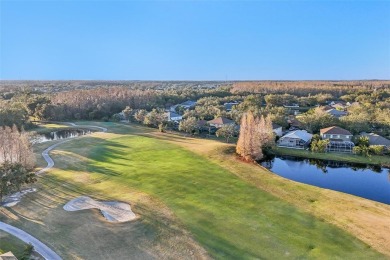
(194, 80)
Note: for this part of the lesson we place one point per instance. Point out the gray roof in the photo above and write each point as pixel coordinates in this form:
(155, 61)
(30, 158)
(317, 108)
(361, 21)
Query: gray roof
(172, 114)
(375, 139)
(335, 112)
(299, 134)
(229, 106)
(189, 103)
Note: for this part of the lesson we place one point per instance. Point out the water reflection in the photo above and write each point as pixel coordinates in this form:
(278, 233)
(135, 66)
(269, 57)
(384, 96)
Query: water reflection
(368, 181)
(60, 134)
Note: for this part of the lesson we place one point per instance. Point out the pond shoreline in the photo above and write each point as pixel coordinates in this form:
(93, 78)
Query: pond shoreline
(360, 179)
(383, 161)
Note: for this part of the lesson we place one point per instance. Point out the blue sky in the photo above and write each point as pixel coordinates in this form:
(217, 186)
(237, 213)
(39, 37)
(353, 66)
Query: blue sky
(195, 40)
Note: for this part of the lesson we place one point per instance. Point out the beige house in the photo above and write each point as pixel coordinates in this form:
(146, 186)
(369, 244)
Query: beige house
(220, 121)
(335, 132)
(340, 139)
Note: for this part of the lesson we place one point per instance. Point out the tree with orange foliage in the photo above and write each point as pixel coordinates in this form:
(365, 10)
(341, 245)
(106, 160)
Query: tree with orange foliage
(255, 135)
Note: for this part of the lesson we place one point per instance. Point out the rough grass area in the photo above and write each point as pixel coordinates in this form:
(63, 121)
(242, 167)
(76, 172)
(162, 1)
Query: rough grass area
(11, 243)
(344, 157)
(178, 184)
(47, 128)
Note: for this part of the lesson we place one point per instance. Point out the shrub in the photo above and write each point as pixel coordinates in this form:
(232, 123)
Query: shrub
(377, 149)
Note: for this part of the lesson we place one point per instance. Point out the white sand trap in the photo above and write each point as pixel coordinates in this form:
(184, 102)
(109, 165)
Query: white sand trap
(112, 210)
(13, 199)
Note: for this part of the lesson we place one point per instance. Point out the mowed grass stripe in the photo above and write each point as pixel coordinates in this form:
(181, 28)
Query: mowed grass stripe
(228, 216)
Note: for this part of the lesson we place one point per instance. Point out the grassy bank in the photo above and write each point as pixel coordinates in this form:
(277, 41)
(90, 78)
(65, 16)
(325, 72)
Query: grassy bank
(47, 128)
(11, 243)
(175, 183)
(343, 157)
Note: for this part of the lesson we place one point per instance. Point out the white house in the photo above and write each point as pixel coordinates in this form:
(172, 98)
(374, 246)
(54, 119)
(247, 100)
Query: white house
(297, 139)
(172, 116)
(186, 105)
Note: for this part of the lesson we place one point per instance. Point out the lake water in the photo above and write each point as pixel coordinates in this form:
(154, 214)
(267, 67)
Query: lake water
(61, 134)
(369, 182)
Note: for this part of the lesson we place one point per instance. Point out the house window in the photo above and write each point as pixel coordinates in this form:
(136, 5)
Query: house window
(347, 136)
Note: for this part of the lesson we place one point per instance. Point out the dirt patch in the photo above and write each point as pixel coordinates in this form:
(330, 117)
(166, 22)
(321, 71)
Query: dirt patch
(113, 211)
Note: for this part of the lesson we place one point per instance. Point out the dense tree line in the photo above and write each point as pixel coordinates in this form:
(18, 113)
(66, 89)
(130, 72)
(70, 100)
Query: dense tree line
(303, 88)
(103, 100)
(16, 160)
(15, 147)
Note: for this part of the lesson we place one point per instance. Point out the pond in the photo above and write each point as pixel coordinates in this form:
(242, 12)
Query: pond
(370, 182)
(61, 134)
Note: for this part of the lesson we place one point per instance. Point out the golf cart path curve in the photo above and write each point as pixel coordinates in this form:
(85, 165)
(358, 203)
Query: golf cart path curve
(40, 247)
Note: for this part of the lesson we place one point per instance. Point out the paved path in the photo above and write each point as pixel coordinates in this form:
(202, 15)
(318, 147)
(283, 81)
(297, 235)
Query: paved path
(39, 247)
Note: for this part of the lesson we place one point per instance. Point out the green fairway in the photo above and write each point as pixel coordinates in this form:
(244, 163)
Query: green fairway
(190, 195)
(229, 217)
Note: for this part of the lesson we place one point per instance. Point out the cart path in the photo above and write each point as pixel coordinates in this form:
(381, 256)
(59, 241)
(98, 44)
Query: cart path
(40, 247)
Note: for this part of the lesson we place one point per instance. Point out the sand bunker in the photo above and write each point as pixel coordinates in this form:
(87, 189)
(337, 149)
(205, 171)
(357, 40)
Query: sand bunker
(113, 211)
(15, 198)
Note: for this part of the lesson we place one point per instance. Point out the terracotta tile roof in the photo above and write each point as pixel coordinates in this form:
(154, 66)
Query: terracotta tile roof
(334, 130)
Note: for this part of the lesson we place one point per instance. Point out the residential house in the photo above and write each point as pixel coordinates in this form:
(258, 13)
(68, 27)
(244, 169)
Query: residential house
(291, 106)
(173, 117)
(298, 139)
(173, 108)
(294, 124)
(375, 139)
(202, 125)
(336, 113)
(277, 129)
(340, 140)
(340, 105)
(335, 132)
(228, 106)
(220, 121)
(188, 104)
(326, 108)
